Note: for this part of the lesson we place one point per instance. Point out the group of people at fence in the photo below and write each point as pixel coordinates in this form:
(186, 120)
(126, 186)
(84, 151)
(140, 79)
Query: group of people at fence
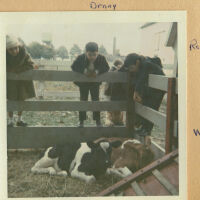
(91, 64)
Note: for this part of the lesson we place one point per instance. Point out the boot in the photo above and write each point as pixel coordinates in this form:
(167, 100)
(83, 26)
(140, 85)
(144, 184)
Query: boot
(81, 124)
(21, 123)
(98, 123)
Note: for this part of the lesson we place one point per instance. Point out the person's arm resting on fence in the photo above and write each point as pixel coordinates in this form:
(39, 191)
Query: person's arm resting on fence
(140, 83)
(28, 63)
(143, 77)
(25, 62)
(77, 65)
(103, 66)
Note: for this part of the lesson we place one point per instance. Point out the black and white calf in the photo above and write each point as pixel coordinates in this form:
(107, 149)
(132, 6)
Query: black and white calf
(86, 161)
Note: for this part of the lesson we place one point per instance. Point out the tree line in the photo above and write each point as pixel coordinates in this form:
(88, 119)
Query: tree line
(48, 51)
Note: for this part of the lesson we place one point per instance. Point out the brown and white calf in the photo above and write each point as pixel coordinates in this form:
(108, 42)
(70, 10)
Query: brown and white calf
(130, 156)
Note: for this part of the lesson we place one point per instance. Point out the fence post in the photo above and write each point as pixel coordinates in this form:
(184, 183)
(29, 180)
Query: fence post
(130, 113)
(171, 92)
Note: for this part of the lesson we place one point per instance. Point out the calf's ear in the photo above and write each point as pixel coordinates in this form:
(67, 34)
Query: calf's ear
(102, 139)
(115, 143)
(92, 144)
(54, 152)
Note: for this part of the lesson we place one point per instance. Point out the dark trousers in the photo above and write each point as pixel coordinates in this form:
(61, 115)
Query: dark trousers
(153, 100)
(84, 93)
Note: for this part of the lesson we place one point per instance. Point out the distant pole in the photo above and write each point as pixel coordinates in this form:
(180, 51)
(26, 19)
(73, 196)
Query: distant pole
(114, 46)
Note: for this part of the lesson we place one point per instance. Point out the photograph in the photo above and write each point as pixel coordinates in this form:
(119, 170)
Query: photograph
(92, 105)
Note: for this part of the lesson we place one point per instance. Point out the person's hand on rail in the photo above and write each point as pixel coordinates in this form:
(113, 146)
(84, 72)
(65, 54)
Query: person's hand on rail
(35, 67)
(91, 74)
(137, 97)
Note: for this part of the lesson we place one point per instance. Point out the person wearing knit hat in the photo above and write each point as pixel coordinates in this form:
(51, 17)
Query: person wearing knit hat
(11, 42)
(17, 61)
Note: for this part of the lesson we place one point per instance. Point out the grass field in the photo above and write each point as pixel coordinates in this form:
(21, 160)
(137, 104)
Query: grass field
(22, 183)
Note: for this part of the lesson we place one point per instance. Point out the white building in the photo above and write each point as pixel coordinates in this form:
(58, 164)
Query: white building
(153, 38)
(173, 42)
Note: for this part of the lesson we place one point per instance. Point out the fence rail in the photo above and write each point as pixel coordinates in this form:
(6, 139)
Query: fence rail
(155, 81)
(68, 76)
(38, 137)
(33, 137)
(152, 115)
(52, 62)
(160, 82)
(67, 106)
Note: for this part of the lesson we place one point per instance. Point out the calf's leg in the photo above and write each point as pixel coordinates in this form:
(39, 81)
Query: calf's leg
(120, 172)
(45, 164)
(81, 175)
(39, 170)
(62, 173)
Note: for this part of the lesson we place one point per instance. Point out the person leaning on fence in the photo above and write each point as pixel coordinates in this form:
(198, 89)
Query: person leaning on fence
(17, 61)
(90, 64)
(112, 91)
(150, 97)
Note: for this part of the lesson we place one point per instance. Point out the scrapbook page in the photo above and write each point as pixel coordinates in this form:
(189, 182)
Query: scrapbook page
(96, 102)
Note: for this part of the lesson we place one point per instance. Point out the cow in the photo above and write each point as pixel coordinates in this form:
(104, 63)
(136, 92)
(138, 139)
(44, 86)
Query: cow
(128, 157)
(86, 161)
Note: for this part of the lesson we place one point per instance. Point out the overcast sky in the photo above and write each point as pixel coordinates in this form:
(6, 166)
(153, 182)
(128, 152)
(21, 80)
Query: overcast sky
(127, 34)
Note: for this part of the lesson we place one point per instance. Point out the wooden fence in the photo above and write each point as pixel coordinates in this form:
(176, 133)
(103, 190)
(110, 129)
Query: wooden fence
(36, 137)
(66, 65)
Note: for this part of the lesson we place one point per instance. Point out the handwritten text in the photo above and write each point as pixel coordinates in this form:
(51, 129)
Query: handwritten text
(95, 5)
(194, 45)
(196, 132)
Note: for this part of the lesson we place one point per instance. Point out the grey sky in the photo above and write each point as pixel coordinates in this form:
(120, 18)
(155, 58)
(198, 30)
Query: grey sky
(127, 34)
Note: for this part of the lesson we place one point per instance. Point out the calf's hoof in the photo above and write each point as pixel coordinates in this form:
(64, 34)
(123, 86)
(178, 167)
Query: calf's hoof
(62, 173)
(52, 171)
(108, 171)
(90, 179)
(33, 170)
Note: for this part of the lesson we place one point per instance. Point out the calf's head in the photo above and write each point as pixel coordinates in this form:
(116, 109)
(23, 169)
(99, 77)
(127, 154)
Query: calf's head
(100, 157)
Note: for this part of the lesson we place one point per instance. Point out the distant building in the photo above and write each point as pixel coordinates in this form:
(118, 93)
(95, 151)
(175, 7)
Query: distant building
(172, 42)
(153, 43)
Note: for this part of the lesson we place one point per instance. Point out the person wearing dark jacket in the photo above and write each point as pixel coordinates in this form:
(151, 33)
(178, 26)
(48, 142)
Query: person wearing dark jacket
(90, 64)
(17, 61)
(151, 97)
(113, 91)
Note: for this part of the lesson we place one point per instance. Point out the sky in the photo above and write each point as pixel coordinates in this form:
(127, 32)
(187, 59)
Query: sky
(127, 34)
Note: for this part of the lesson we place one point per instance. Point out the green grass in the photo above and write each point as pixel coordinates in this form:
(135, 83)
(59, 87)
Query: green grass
(55, 118)
(22, 183)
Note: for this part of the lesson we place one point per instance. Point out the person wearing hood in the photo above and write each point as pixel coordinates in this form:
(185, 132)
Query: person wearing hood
(17, 61)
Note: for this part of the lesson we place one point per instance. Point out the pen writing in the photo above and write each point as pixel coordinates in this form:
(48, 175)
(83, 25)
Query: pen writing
(194, 45)
(196, 132)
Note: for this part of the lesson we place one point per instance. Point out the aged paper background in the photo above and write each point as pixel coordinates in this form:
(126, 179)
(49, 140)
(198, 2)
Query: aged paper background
(193, 59)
